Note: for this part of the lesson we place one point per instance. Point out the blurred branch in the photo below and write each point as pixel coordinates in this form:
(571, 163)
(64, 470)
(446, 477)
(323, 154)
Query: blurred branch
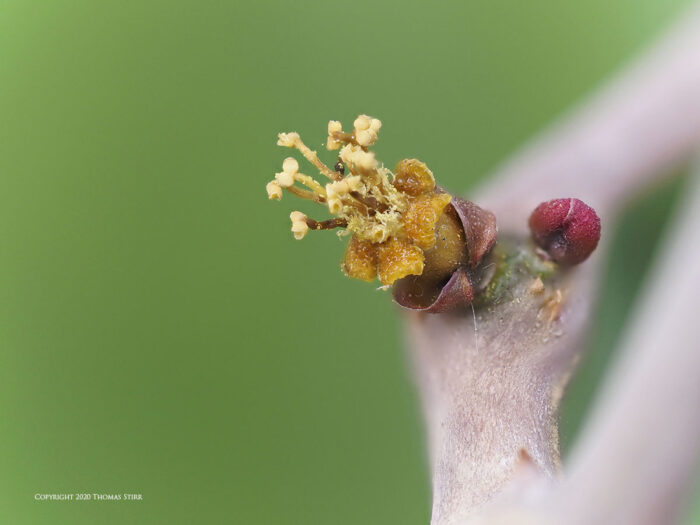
(491, 384)
(636, 458)
(645, 122)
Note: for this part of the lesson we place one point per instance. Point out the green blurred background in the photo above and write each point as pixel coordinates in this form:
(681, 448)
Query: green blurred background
(162, 333)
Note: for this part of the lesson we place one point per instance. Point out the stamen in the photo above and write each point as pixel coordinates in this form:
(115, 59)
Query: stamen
(274, 190)
(290, 165)
(364, 133)
(292, 140)
(306, 194)
(327, 224)
(366, 129)
(310, 183)
(342, 137)
(284, 179)
(365, 202)
(358, 159)
(370, 202)
(299, 226)
(361, 123)
(331, 143)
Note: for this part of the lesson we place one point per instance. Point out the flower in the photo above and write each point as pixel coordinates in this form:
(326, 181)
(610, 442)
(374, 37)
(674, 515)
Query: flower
(466, 234)
(405, 231)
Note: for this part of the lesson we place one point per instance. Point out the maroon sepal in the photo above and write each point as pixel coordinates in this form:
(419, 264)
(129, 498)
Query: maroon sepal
(410, 293)
(479, 226)
(420, 294)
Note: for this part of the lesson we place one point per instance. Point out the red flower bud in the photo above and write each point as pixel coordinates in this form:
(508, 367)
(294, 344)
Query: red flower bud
(567, 229)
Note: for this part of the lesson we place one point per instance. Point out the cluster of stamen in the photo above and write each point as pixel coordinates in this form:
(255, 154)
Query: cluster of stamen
(384, 213)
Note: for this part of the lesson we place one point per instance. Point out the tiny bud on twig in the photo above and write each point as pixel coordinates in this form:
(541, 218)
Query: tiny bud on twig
(567, 229)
